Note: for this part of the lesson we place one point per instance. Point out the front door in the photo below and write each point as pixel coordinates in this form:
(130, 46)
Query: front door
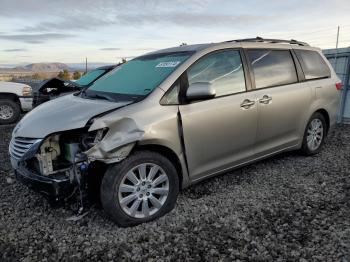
(219, 133)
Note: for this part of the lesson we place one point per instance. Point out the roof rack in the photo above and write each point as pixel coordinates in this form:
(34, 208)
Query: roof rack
(272, 41)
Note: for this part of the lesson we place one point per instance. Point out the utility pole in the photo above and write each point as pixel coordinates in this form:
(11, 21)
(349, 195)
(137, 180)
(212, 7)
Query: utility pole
(85, 65)
(336, 48)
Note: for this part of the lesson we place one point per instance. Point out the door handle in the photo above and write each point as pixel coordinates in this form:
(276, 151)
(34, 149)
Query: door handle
(247, 103)
(265, 99)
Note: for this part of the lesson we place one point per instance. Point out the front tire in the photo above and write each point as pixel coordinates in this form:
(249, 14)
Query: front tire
(139, 189)
(10, 111)
(315, 134)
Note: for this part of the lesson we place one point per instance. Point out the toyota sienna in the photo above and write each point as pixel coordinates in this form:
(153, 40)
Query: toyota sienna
(170, 118)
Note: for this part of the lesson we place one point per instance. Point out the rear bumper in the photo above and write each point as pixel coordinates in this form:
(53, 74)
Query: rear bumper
(56, 187)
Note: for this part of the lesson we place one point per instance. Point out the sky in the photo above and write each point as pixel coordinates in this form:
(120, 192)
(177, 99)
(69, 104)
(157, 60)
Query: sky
(107, 30)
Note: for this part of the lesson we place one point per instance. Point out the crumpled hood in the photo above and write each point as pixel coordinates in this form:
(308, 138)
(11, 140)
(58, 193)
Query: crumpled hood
(64, 113)
(54, 83)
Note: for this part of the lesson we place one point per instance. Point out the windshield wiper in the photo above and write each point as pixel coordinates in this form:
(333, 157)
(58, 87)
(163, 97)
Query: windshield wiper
(83, 91)
(98, 96)
(105, 97)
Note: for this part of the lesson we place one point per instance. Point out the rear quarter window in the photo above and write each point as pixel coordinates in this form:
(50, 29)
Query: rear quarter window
(313, 65)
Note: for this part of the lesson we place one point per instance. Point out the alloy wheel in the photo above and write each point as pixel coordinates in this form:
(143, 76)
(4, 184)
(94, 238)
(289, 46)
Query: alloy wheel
(143, 190)
(315, 134)
(6, 112)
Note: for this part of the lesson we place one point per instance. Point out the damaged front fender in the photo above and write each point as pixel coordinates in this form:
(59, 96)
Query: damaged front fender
(117, 143)
(109, 157)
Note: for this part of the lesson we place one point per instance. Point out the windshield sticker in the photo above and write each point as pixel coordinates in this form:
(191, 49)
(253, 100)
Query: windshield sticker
(168, 64)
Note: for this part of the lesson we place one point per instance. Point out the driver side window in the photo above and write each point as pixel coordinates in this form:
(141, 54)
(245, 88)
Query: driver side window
(223, 69)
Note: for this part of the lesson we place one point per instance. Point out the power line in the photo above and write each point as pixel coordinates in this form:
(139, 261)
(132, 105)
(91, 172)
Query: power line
(305, 32)
(317, 36)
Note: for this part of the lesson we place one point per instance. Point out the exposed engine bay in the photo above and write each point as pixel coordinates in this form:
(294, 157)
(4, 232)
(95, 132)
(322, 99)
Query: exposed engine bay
(70, 164)
(71, 159)
(59, 152)
(62, 156)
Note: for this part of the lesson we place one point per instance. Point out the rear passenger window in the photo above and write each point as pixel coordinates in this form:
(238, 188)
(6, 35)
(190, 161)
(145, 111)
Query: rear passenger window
(313, 65)
(224, 70)
(272, 67)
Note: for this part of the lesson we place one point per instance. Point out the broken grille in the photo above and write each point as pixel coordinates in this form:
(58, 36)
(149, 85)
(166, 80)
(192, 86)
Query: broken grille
(20, 145)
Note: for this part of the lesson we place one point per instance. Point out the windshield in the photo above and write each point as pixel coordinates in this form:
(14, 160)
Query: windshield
(90, 77)
(139, 76)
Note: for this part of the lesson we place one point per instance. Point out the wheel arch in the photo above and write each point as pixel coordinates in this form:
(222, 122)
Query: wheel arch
(10, 96)
(169, 154)
(325, 114)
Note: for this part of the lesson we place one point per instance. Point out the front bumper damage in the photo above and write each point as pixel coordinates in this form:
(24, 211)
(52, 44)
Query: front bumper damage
(44, 156)
(33, 166)
(57, 187)
(61, 163)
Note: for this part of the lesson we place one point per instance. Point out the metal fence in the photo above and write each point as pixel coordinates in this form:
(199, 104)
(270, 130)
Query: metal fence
(340, 60)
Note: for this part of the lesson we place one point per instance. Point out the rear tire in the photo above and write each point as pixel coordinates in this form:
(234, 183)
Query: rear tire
(131, 200)
(10, 111)
(314, 135)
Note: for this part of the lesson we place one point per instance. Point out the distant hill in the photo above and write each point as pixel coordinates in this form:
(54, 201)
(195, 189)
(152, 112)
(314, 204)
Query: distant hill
(42, 67)
(48, 67)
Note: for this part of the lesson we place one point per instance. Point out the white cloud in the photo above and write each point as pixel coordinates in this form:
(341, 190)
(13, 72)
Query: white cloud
(33, 38)
(69, 30)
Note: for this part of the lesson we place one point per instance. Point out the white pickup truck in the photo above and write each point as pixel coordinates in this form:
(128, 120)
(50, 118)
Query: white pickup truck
(14, 99)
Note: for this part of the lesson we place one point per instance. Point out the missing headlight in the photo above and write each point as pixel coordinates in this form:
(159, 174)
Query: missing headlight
(60, 151)
(48, 153)
(92, 138)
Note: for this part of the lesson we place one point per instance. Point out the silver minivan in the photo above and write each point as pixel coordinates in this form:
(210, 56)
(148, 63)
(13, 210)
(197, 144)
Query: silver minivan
(171, 118)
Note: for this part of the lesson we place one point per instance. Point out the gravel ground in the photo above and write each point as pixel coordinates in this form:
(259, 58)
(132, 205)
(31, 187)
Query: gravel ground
(288, 207)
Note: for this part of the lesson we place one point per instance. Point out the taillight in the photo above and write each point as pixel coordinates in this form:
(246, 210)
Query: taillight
(338, 85)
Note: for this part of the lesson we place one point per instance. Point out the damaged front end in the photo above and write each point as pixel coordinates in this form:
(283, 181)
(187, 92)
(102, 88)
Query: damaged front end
(53, 88)
(59, 165)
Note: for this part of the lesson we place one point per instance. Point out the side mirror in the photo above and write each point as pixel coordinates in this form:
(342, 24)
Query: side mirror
(200, 91)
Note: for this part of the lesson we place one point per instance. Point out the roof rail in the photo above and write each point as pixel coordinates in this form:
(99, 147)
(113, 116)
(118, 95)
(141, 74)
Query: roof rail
(272, 41)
